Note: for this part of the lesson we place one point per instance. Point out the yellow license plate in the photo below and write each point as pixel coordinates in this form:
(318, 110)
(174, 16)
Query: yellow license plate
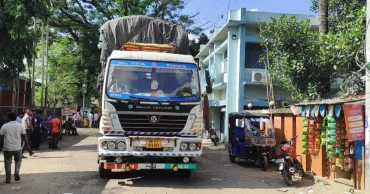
(153, 143)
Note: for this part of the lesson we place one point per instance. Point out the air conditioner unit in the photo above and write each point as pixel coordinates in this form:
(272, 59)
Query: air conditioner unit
(258, 76)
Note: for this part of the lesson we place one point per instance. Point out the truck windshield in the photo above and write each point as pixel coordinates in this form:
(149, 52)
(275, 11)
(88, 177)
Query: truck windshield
(155, 81)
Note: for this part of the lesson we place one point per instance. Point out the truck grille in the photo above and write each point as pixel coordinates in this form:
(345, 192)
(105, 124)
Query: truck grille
(147, 123)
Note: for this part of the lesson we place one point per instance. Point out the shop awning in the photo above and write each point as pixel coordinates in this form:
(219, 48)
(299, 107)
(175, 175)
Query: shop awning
(315, 108)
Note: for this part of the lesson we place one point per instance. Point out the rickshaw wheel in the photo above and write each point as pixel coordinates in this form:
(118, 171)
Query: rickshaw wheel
(232, 158)
(264, 163)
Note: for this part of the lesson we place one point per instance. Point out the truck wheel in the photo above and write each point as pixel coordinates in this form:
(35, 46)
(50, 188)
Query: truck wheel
(185, 174)
(104, 173)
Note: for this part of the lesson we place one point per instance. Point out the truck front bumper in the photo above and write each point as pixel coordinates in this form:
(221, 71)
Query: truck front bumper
(150, 166)
(143, 154)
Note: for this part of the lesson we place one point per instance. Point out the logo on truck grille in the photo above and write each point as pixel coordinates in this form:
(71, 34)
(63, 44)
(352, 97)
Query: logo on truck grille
(153, 119)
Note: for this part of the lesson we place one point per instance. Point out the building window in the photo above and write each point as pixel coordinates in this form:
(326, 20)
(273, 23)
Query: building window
(253, 53)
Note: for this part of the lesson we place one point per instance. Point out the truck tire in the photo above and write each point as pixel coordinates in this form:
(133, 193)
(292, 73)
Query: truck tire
(185, 174)
(104, 173)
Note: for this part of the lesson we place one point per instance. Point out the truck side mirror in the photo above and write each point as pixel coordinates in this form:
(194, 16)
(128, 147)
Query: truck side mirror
(208, 82)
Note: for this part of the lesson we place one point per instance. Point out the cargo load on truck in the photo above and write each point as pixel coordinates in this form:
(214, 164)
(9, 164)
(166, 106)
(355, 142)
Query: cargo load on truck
(116, 33)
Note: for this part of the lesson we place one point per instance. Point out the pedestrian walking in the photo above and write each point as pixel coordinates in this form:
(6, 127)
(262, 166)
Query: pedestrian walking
(86, 123)
(91, 118)
(11, 135)
(96, 117)
(50, 129)
(36, 134)
(27, 125)
(56, 131)
(19, 120)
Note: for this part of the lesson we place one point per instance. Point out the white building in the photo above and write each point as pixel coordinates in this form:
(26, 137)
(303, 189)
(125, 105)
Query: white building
(232, 54)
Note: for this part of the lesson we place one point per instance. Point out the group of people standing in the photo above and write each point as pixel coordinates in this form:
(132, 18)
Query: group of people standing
(26, 131)
(39, 131)
(89, 120)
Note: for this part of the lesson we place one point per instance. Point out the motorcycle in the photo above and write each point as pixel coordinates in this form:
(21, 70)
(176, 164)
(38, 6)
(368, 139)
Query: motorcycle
(214, 136)
(286, 159)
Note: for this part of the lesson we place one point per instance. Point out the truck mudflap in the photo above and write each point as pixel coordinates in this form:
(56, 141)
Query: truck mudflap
(150, 166)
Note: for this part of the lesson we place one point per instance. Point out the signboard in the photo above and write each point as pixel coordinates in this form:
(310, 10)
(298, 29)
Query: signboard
(354, 117)
(65, 112)
(358, 149)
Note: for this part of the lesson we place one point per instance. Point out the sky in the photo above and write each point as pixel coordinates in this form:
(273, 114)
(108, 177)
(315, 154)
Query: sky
(214, 12)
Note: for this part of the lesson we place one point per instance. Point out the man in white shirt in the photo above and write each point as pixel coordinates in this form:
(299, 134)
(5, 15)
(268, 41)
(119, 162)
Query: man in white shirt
(27, 123)
(11, 135)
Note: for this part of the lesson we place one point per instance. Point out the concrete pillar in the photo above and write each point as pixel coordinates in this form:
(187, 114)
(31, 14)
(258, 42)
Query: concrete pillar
(217, 69)
(235, 70)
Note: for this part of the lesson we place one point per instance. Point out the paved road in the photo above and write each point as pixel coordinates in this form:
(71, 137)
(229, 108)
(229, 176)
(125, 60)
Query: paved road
(73, 169)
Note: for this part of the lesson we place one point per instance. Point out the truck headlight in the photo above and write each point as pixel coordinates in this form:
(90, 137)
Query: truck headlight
(184, 146)
(192, 146)
(104, 145)
(121, 145)
(111, 145)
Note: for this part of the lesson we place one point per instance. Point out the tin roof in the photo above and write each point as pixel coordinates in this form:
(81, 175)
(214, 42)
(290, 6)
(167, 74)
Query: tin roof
(247, 114)
(337, 100)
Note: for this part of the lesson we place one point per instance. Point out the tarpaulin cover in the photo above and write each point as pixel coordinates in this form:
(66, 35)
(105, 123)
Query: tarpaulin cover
(141, 29)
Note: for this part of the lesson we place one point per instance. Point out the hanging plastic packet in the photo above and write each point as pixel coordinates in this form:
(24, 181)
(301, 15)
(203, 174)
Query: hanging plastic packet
(332, 125)
(337, 151)
(331, 119)
(311, 137)
(330, 141)
(310, 144)
(305, 122)
(305, 131)
(304, 150)
(323, 141)
(311, 130)
(311, 151)
(305, 144)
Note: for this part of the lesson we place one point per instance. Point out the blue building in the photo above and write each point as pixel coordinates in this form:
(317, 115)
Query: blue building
(232, 57)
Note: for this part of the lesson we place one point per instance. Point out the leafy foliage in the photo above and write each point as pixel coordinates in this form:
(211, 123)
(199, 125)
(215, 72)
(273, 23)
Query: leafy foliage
(63, 73)
(76, 36)
(195, 46)
(304, 62)
(294, 55)
(16, 37)
(339, 10)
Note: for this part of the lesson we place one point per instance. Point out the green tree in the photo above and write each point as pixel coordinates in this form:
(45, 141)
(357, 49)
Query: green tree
(304, 62)
(77, 22)
(17, 37)
(63, 72)
(339, 10)
(195, 46)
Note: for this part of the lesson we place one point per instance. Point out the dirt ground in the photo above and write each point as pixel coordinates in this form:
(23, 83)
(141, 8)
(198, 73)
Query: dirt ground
(74, 169)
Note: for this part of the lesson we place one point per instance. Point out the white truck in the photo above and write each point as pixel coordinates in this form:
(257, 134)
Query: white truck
(151, 101)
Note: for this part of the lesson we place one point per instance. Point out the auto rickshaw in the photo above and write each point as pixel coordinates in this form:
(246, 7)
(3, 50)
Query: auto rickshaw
(251, 137)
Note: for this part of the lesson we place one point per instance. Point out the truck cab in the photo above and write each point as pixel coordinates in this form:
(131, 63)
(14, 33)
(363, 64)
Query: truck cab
(151, 113)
